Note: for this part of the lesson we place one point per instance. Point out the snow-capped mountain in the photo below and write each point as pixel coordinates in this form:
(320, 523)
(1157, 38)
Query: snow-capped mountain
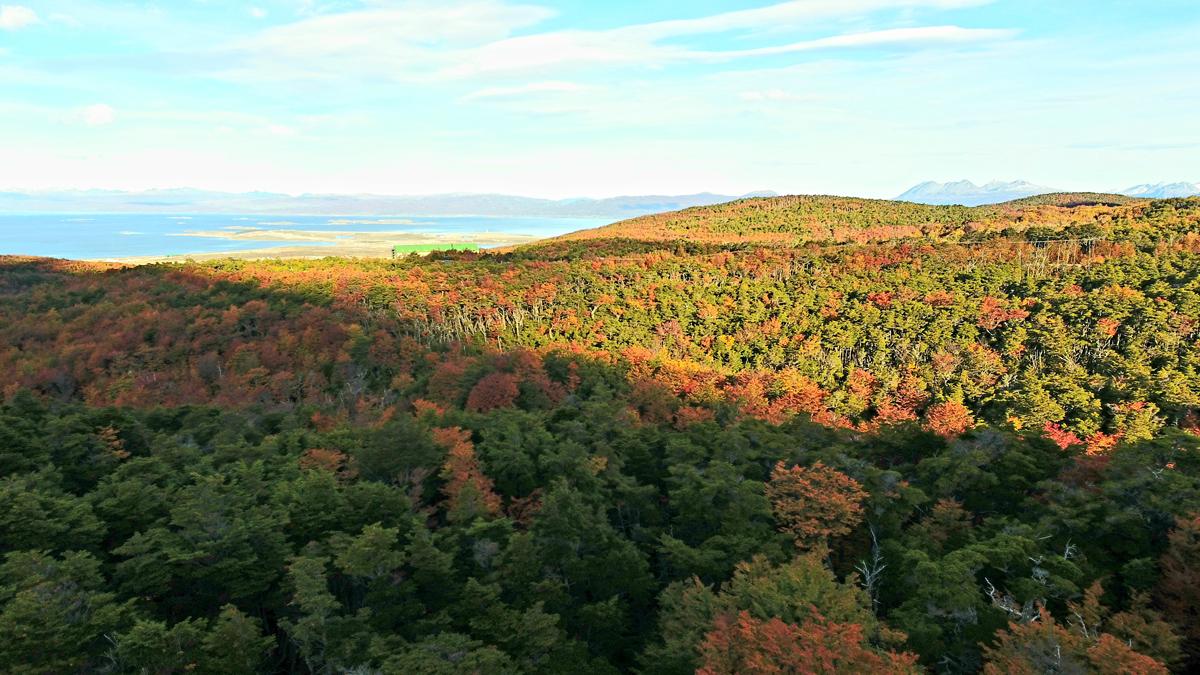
(1163, 190)
(969, 194)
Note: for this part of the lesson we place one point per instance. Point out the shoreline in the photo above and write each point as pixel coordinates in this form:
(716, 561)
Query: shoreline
(311, 245)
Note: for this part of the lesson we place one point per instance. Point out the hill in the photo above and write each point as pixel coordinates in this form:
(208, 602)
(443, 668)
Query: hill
(1073, 199)
(792, 220)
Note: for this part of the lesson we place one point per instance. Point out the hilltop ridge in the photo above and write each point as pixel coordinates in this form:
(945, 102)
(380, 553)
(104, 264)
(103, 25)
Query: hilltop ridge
(794, 219)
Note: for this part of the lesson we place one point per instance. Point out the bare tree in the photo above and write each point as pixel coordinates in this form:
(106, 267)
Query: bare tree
(872, 572)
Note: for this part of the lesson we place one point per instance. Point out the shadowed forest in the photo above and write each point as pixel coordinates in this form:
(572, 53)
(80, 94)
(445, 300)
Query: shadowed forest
(796, 434)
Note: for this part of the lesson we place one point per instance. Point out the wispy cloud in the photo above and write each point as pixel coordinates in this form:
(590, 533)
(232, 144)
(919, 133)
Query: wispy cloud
(656, 43)
(495, 95)
(785, 15)
(771, 95)
(13, 17)
(924, 36)
(616, 47)
(533, 88)
(399, 42)
(448, 40)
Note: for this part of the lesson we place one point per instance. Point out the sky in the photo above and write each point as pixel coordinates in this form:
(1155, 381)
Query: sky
(583, 98)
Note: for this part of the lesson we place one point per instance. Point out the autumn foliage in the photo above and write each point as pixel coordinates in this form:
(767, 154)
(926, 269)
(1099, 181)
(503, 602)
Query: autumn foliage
(744, 645)
(330, 461)
(469, 492)
(993, 313)
(815, 503)
(496, 390)
(949, 419)
(579, 455)
(1063, 438)
(1044, 646)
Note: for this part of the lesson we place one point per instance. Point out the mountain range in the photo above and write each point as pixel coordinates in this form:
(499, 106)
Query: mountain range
(966, 193)
(187, 200)
(969, 194)
(1163, 190)
(456, 204)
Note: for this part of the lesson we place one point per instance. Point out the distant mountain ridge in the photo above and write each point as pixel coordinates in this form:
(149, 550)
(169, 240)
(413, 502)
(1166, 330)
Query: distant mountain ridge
(966, 193)
(185, 200)
(1163, 190)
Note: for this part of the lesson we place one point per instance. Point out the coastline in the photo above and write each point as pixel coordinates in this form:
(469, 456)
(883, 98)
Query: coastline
(308, 245)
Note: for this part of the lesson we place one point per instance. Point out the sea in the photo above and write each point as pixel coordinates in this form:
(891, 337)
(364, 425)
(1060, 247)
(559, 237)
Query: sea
(105, 236)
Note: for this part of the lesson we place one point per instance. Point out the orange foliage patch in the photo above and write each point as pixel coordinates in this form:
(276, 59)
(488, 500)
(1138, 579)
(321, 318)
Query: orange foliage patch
(815, 503)
(744, 645)
(469, 492)
(330, 461)
(993, 313)
(1027, 649)
(948, 419)
(1062, 438)
(497, 390)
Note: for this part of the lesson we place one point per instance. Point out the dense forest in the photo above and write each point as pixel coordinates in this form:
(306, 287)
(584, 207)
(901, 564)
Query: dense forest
(784, 435)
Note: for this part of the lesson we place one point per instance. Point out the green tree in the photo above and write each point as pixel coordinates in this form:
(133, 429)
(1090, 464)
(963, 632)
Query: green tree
(56, 612)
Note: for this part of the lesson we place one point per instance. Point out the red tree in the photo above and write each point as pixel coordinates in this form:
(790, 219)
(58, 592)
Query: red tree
(814, 503)
(1061, 437)
(743, 645)
(468, 490)
(993, 313)
(948, 419)
(497, 390)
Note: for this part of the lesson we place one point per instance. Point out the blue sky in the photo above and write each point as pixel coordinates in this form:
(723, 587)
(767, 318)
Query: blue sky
(589, 98)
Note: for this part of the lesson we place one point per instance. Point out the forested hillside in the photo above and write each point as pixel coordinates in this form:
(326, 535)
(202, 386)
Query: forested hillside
(799, 219)
(793, 434)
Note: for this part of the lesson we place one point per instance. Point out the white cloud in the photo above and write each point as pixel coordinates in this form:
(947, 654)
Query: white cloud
(643, 43)
(398, 42)
(770, 95)
(796, 13)
(548, 87)
(98, 115)
(258, 12)
(13, 17)
(454, 39)
(927, 35)
(617, 47)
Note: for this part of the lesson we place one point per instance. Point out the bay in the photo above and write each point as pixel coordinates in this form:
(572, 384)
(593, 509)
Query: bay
(104, 236)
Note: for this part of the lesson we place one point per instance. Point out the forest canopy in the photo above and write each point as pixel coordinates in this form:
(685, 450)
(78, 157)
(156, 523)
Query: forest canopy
(792, 434)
